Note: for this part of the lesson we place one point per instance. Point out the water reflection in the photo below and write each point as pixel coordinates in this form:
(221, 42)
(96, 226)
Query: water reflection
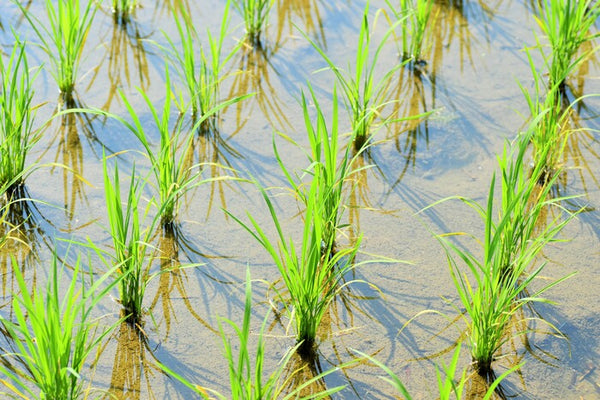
(418, 91)
(22, 233)
(452, 22)
(289, 12)
(69, 157)
(214, 156)
(161, 7)
(298, 371)
(173, 279)
(133, 365)
(127, 57)
(255, 70)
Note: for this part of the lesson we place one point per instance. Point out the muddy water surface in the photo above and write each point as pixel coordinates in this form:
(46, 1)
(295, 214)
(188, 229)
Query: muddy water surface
(475, 60)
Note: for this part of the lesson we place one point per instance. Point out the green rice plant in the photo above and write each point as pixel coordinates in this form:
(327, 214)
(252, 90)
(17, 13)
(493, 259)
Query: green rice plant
(63, 36)
(255, 14)
(567, 24)
(131, 252)
(447, 385)
(17, 135)
(511, 246)
(364, 95)
(52, 338)
(550, 124)
(325, 168)
(246, 375)
(122, 10)
(202, 76)
(415, 16)
(173, 176)
(313, 275)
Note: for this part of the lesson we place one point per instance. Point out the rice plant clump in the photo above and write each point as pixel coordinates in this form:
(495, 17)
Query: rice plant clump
(255, 14)
(365, 91)
(122, 10)
(328, 174)
(17, 135)
(549, 125)
(449, 387)
(508, 266)
(51, 338)
(567, 24)
(415, 15)
(131, 256)
(64, 37)
(312, 272)
(201, 76)
(246, 375)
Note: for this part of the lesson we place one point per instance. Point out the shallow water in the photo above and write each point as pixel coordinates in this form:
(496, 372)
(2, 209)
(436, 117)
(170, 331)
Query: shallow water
(475, 61)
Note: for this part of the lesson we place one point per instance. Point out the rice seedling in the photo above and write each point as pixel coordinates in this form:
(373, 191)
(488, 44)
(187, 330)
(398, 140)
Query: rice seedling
(324, 168)
(173, 177)
(52, 338)
(415, 16)
(64, 39)
(364, 95)
(17, 135)
(566, 24)
(122, 10)
(246, 375)
(255, 14)
(551, 124)
(202, 76)
(511, 246)
(131, 252)
(447, 385)
(510, 249)
(314, 275)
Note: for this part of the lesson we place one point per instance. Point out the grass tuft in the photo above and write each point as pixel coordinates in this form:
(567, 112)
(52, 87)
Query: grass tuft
(52, 338)
(415, 15)
(366, 91)
(17, 135)
(122, 10)
(511, 244)
(64, 38)
(256, 17)
(567, 24)
(202, 76)
(246, 375)
(131, 254)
